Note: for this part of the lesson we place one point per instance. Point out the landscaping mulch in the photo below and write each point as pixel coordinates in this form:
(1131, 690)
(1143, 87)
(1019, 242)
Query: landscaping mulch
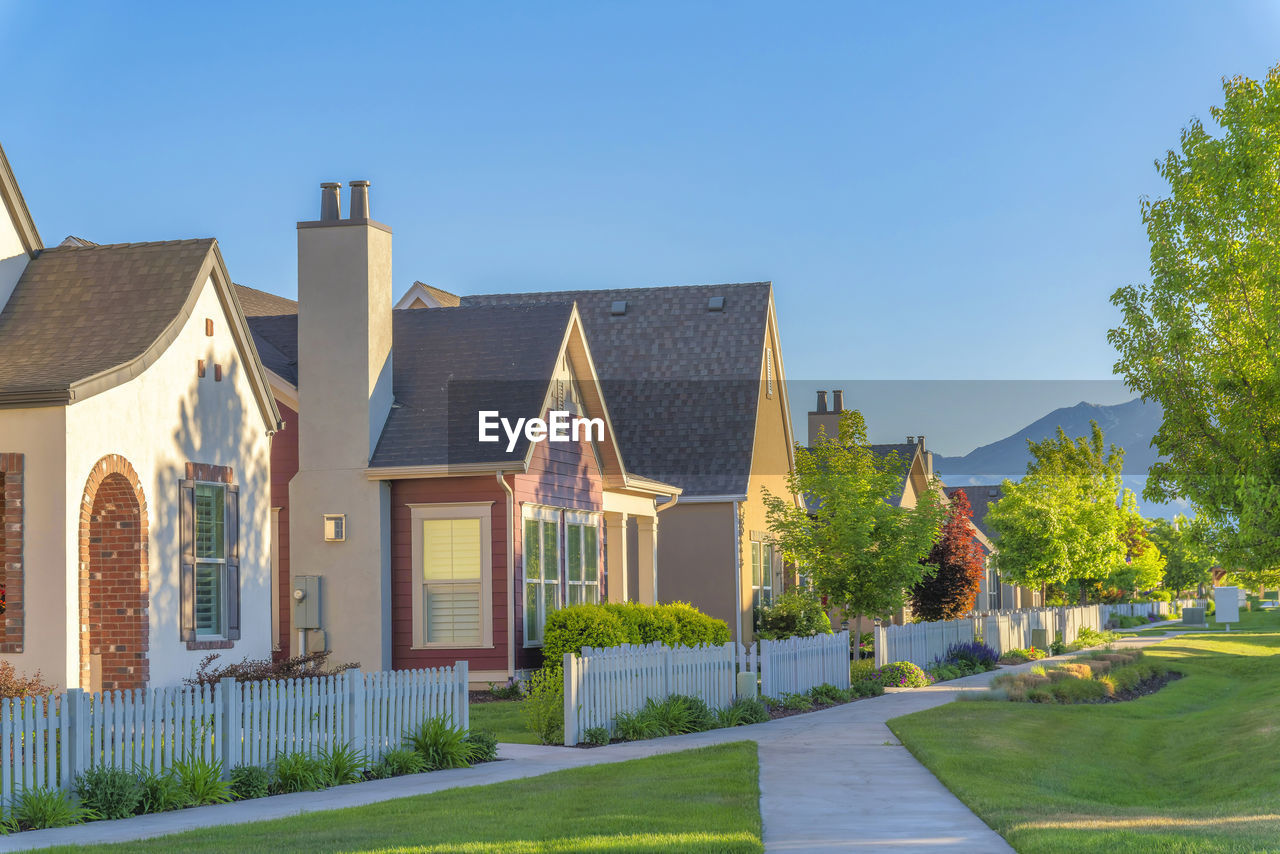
(1145, 688)
(487, 696)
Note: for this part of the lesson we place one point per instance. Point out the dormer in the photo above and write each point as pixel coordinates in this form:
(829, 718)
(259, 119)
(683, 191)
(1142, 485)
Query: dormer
(422, 295)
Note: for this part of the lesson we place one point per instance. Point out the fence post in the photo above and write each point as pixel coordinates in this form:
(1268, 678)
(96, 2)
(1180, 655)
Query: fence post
(77, 734)
(463, 676)
(229, 738)
(355, 711)
(570, 700)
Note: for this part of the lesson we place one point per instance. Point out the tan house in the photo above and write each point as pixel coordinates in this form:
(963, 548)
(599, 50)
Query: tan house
(694, 380)
(135, 433)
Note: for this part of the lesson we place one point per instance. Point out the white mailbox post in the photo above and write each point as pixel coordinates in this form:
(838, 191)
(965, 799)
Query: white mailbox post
(1227, 602)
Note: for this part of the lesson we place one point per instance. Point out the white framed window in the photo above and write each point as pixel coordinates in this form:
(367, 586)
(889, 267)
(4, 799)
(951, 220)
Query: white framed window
(582, 558)
(763, 556)
(211, 560)
(541, 569)
(452, 575)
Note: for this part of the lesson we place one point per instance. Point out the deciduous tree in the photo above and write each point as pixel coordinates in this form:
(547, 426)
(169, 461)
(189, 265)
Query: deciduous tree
(958, 564)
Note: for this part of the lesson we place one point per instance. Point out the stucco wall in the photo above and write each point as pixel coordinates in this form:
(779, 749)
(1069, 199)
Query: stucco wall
(695, 558)
(159, 421)
(40, 434)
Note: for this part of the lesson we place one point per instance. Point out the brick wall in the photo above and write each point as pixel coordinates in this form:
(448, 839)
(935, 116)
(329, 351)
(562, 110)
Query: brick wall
(11, 534)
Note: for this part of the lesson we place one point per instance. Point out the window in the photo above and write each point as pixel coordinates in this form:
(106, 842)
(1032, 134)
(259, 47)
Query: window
(452, 575)
(762, 573)
(211, 559)
(993, 589)
(541, 570)
(582, 559)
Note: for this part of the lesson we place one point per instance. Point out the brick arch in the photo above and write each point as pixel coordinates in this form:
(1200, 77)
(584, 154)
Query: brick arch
(114, 584)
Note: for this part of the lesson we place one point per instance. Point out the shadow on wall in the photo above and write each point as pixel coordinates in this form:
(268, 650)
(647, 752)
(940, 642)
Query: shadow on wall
(212, 417)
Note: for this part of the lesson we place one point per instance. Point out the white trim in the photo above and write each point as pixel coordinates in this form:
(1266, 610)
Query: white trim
(581, 517)
(443, 470)
(482, 510)
(712, 499)
(275, 579)
(542, 512)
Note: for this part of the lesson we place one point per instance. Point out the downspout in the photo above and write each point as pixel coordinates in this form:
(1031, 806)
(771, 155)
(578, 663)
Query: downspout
(737, 571)
(511, 573)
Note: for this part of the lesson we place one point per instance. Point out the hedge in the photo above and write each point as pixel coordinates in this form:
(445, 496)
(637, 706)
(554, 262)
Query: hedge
(615, 623)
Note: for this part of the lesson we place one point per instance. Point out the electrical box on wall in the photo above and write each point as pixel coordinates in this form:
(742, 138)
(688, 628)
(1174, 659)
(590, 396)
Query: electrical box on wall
(335, 527)
(317, 641)
(306, 602)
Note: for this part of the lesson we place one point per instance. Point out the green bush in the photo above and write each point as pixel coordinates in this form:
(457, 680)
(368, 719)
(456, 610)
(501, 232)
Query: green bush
(544, 704)
(796, 702)
(636, 726)
(796, 613)
(110, 792)
(201, 781)
(864, 668)
(744, 711)
(397, 763)
(40, 808)
(828, 695)
(483, 744)
(866, 688)
(597, 736)
(440, 744)
(616, 623)
(249, 782)
(342, 764)
(160, 792)
(299, 772)
(902, 674)
(676, 715)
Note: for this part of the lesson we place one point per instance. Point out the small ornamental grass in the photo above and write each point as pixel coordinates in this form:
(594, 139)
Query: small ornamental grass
(1092, 678)
(396, 763)
(38, 808)
(201, 781)
(743, 711)
(440, 744)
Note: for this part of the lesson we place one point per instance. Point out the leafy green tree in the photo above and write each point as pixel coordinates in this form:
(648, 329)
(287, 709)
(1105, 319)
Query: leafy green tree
(1061, 523)
(1188, 561)
(1203, 338)
(1142, 566)
(858, 550)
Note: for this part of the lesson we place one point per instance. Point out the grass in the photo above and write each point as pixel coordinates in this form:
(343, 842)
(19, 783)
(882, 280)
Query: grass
(702, 801)
(503, 718)
(1192, 768)
(1250, 621)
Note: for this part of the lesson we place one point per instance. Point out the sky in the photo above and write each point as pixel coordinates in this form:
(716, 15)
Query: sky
(938, 191)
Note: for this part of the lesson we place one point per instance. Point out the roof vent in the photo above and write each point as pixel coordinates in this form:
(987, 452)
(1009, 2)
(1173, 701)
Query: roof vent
(618, 308)
(715, 304)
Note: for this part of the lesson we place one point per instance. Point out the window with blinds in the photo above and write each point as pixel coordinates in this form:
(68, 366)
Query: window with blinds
(211, 554)
(452, 566)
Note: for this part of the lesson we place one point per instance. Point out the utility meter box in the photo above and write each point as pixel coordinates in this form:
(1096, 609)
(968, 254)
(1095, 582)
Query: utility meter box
(306, 601)
(1040, 639)
(1227, 602)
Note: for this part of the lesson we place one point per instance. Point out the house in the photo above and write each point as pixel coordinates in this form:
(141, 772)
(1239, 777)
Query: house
(695, 383)
(135, 434)
(406, 540)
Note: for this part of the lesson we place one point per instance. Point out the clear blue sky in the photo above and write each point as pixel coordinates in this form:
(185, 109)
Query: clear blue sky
(938, 191)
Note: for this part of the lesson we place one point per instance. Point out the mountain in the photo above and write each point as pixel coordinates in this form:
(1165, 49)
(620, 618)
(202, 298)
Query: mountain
(1129, 425)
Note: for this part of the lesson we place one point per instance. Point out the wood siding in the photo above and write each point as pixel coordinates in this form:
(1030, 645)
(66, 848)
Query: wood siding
(284, 465)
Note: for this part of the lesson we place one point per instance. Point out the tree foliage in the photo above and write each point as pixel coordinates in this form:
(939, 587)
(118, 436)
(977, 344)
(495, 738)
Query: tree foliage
(959, 566)
(1188, 561)
(1203, 338)
(860, 551)
(1142, 565)
(1061, 523)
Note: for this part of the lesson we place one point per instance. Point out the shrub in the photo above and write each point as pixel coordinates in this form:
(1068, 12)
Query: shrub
(796, 702)
(1087, 637)
(827, 695)
(299, 772)
(1057, 647)
(110, 792)
(866, 644)
(15, 684)
(201, 781)
(597, 736)
(544, 704)
(636, 726)
(483, 745)
(260, 669)
(863, 669)
(160, 792)
(342, 764)
(509, 690)
(1021, 656)
(249, 782)
(440, 744)
(866, 688)
(744, 711)
(615, 623)
(972, 652)
(1119, 621)
(902, 674)
(796, 613)
(679, 714)
(396, 763)
(38, 808)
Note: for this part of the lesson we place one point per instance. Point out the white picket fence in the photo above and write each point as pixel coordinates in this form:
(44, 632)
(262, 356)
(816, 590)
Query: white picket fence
(600, 684)
(49, 741)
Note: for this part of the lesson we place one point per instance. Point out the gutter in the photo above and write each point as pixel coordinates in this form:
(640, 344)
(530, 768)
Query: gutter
(511, 573)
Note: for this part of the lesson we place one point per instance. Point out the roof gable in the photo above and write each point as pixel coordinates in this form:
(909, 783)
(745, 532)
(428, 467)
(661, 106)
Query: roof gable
(682, 380)
(16, 207)
(422, 295)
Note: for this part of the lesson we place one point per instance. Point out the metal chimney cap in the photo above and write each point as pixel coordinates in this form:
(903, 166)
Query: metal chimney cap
(330, 185)
(357, 183)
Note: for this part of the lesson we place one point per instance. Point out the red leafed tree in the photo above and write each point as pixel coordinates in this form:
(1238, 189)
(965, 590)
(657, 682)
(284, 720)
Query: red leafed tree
(951, 590)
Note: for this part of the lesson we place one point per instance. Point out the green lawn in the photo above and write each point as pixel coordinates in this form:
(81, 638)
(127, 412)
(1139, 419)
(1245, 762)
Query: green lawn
(704, 800)
(1192, 768)
(505, 719)
(1250, 621)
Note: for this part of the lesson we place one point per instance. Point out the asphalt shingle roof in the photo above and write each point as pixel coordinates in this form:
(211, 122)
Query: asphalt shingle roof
(276, 338)
(256, 303)
(980, 500)
(682, 382)
(78, 311)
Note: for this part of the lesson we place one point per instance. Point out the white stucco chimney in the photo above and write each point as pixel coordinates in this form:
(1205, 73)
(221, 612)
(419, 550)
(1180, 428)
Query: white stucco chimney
(344, 396)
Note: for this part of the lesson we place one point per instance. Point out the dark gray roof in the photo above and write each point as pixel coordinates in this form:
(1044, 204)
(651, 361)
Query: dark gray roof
(681, 382)
(78, 311)
(256, 303)
(980, 500)
(276, 338)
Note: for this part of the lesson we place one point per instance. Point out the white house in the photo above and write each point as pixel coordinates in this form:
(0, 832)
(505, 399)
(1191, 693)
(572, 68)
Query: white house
(135, 445)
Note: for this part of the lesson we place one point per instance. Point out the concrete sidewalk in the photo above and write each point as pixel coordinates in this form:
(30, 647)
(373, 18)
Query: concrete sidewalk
(834, 780)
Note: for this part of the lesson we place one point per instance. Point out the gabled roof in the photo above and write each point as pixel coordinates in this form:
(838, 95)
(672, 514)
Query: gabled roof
(682, 381)
(431, 297)
(906, 457)
(84, 318)
(16, 206)
(276, 338)
(980, 500)
(258, 303)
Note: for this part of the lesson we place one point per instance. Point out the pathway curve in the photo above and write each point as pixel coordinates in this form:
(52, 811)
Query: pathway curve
(834, 780)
